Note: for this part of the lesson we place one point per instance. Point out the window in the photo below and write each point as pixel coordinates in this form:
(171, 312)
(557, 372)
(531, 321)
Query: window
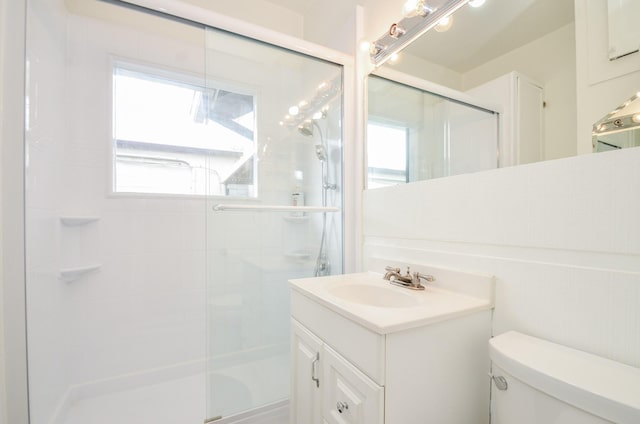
(386, 154)
(173, 135)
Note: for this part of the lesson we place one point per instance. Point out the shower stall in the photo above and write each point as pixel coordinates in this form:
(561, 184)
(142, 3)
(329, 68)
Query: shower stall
(177, 175)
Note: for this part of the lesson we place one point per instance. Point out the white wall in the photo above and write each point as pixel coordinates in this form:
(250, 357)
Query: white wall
(257, 12)
(562, 238)
(428, 71)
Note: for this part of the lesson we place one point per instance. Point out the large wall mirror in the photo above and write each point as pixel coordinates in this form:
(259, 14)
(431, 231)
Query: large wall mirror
(519, 55)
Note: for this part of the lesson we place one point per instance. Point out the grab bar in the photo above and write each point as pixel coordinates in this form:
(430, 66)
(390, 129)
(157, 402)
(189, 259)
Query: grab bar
(273, 208)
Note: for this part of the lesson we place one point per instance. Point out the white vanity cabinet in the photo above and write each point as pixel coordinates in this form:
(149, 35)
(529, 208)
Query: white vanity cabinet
(349, 369)
(327, 387)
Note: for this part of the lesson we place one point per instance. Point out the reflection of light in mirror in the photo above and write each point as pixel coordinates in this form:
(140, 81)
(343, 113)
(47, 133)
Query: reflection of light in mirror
(444, 24)
(636, 118)
(293, 110)
(394, 58)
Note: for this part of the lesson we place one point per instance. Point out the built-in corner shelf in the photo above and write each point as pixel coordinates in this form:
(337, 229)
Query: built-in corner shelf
(296, 219)
(298, 254)
(72, 274)
(75, 221)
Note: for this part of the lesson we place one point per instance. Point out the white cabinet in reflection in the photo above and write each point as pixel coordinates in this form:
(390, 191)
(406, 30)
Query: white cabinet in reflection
(522, 120)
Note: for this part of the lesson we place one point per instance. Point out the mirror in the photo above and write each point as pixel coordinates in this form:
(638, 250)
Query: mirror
(518, 55)
(624, 32)
(620, 128)
(414, 134)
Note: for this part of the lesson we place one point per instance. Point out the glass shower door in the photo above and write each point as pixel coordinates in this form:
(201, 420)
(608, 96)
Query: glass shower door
(274, 203)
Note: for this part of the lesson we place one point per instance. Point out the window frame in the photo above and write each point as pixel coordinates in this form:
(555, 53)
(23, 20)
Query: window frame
(188, 78)
(382, 122)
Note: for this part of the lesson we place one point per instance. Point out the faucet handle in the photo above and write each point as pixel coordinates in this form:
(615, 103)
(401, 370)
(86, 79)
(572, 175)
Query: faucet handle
(417, 276)
(391, 269)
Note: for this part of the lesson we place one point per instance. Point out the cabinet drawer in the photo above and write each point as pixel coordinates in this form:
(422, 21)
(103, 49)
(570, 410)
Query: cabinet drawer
(350, 397)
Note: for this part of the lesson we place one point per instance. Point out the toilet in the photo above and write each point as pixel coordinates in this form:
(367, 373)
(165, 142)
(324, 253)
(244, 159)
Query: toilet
(538, 382)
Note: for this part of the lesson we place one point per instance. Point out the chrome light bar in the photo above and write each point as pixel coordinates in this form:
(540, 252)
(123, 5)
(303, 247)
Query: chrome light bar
(409, 28)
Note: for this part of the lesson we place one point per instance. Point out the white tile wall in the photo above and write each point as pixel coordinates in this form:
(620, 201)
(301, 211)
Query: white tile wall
(561, 237)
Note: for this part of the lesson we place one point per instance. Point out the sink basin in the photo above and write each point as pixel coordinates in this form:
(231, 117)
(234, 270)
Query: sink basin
(380, 296)
(370, 301)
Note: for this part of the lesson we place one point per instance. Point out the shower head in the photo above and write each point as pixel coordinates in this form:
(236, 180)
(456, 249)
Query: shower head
(306, 128)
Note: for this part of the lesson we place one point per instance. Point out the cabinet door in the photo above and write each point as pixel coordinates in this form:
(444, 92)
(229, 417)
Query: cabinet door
(530, 122)
(349, 397)
(306, 399)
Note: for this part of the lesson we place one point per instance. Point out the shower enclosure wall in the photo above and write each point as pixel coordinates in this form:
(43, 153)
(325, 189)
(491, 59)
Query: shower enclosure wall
(162, 161)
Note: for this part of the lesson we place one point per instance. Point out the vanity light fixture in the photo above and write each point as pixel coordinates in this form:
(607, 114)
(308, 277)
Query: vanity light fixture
(623, 118)
(420, 17)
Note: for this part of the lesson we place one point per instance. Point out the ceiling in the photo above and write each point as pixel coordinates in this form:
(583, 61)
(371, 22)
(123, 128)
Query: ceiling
(298, 6)
(499, 26)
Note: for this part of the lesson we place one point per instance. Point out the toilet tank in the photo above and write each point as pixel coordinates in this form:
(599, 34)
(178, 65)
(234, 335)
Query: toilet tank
(547, 383)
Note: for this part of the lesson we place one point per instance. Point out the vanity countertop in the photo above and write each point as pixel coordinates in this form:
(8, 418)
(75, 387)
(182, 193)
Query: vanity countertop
(373, 302)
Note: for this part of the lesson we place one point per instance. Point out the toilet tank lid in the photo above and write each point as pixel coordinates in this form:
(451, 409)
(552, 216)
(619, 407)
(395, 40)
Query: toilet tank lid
(600, 386)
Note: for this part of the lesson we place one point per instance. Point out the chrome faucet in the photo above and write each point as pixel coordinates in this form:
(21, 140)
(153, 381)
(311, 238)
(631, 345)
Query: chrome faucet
(408, 280)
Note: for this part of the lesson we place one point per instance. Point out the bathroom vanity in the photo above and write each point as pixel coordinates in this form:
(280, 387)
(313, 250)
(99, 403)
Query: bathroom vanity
(365, 351)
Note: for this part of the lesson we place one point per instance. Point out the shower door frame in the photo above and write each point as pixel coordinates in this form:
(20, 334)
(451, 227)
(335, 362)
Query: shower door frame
(13, 169)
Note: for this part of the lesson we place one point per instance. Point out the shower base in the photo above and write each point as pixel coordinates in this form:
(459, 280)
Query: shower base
(182, 400)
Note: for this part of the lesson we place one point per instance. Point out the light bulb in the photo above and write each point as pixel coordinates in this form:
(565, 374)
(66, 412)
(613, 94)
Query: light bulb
(396, 31)
(375, 48)
(394, 58)
(294, 110)
(476, 3)
(413, 8)
(365, 46)
(444, 24)
(636, 118)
